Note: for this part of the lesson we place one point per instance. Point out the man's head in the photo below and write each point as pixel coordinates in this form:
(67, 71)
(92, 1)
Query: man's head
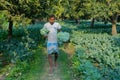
(52, 19)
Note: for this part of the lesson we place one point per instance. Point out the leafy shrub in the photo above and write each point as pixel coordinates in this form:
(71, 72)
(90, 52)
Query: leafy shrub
(3, 34)
(86, 69)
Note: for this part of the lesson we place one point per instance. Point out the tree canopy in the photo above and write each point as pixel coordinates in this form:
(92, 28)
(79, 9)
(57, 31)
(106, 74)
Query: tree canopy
(22, 11)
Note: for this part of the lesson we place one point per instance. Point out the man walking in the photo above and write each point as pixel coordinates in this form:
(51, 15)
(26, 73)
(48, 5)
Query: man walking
(52, 44)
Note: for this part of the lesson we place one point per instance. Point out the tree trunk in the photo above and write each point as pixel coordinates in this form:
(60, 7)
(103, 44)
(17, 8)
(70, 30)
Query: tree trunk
(114, 30)
(105, 22)
(114, 21)
(92, 22)
(10, 29)
(119, 18)
(77, 21)
(0, 26)
(33, 21)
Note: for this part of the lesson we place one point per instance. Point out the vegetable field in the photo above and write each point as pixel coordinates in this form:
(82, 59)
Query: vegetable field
(89, 41)
(96, 56)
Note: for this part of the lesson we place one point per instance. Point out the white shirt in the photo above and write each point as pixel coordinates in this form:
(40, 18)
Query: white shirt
(52, 35)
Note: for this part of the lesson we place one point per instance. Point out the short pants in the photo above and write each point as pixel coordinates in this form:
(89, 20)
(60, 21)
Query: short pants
(52, 48)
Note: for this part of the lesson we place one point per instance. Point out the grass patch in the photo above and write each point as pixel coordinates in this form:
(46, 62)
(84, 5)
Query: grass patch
(36, 66)
(64, 66)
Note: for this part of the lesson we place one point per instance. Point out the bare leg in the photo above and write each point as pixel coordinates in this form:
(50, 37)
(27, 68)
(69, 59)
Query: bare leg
(50, 62)
(55, 59)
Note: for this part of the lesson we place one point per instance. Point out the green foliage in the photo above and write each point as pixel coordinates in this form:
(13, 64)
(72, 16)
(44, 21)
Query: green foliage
(97, 52)
(19, 47)
(63, 37)
(34, 32)
(24, 70)
(86, 69)
(44, 31)
(18, 70)
(3, 35)
(3, 19)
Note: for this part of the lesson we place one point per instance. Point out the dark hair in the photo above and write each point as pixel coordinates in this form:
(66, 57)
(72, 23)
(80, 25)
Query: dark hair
(52, 16)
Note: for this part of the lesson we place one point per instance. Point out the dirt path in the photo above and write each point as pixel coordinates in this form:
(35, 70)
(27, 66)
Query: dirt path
(1, 77)
(54, 76)
(59, 73)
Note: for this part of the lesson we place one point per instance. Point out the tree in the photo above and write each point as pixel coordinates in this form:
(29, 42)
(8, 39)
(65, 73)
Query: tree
(112, 11)
(19, 10)
(107, 9)
(74, 9)
(56, 7)
(63, 8)
(93, 10)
